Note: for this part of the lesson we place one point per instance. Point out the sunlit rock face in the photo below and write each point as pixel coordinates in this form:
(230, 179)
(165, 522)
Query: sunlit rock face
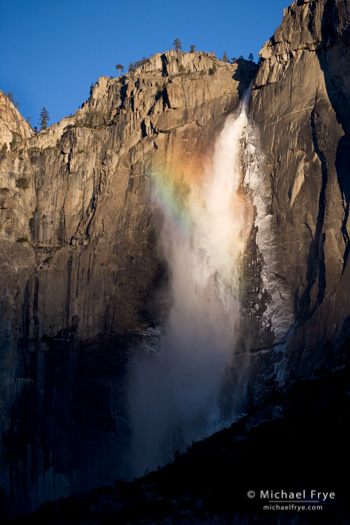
(13, 127)
(82, 275)
(300, 108)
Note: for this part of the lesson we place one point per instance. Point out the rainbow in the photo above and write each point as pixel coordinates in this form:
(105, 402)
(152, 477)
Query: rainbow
(177, 187)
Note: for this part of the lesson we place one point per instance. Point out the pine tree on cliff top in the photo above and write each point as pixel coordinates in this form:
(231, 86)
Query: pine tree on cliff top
(177, 45)
(120, 68)
(44, 118)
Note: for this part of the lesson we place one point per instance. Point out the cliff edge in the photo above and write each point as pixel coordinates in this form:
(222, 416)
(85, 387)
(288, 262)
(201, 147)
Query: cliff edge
(300, 107)
(12, 124)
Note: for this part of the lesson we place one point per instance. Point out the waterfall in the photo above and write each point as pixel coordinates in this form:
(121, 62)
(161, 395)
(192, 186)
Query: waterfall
(174, 390)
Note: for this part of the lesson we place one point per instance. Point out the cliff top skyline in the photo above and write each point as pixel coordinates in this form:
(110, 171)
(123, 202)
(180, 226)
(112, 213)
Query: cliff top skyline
(56, 49)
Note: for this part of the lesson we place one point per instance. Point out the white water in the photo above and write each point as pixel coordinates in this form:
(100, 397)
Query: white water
(174, 394)
(278, 313)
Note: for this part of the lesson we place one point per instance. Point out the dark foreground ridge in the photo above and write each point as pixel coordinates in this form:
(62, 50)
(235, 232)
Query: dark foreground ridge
(298, 442)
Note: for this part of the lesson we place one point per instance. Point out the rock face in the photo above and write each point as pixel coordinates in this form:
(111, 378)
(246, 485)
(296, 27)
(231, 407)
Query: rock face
(300, 107)
(12, 124)
(80, 265)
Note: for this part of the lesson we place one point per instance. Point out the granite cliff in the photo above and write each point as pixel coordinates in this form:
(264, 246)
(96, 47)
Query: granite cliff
(81, 267)
(83, 281)
(300, 107)
(12, 124)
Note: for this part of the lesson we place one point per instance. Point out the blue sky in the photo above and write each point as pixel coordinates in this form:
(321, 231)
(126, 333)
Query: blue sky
(51, 50)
